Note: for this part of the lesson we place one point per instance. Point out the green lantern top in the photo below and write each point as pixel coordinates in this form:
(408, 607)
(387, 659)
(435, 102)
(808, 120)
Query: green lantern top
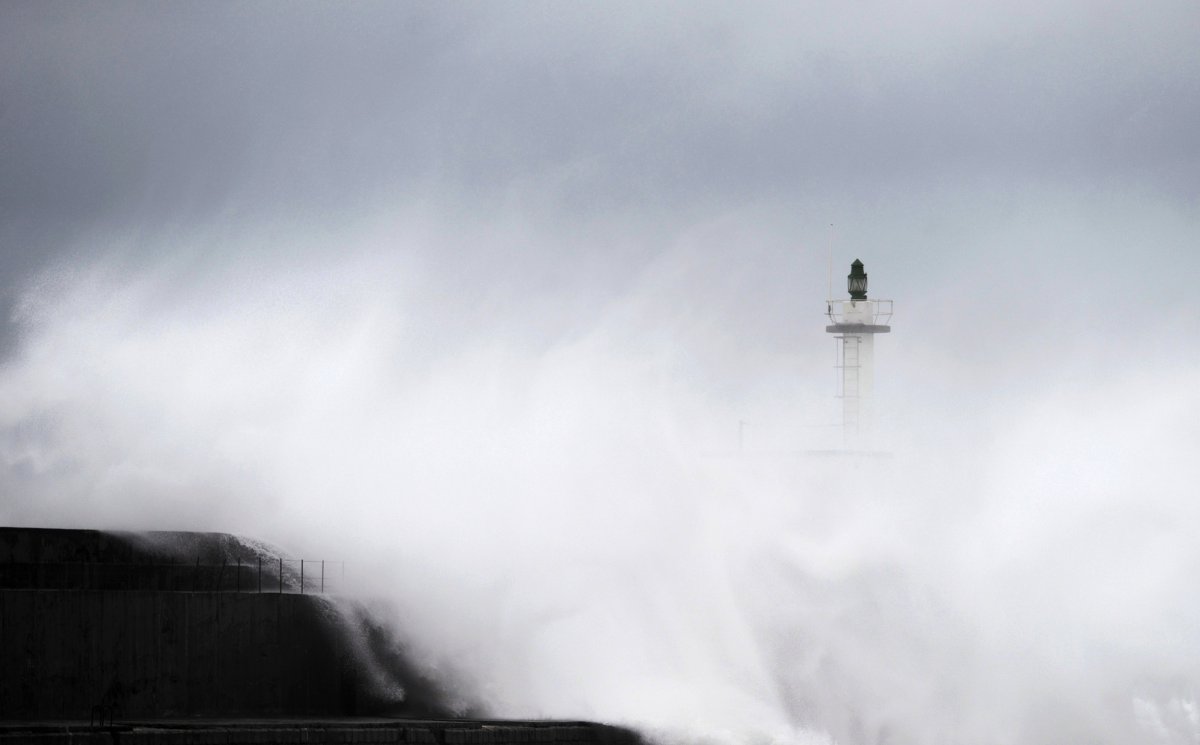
(856, 281)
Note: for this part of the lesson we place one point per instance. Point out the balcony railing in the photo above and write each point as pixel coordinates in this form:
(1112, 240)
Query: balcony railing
(868, 312)
(267, 575)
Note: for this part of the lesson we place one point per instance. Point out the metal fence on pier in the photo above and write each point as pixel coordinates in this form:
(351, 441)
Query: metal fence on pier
(266, 574)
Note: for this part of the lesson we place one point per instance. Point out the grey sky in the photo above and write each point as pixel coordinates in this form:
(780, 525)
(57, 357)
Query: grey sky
(557, 151)
(565, 147)
(144, 114)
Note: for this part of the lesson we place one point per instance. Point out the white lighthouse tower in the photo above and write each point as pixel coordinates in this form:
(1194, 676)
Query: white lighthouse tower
(855, 323)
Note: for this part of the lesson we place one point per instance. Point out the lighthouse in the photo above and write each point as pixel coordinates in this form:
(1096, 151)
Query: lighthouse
(855, 322)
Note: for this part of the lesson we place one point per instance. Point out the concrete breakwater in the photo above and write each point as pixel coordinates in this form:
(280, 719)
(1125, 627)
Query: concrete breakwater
(79, 654)
(318, 732)
(103, 626)
(172, 639)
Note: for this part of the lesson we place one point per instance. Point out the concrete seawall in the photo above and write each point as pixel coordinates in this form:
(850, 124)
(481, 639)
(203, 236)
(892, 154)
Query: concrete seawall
(169, 653)
(182, 638)
(323, 732)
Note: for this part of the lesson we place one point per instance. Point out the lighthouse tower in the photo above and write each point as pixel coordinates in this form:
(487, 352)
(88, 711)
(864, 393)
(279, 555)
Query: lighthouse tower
(855, 323)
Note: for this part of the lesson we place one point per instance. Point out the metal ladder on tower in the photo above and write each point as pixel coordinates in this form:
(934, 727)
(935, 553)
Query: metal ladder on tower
(850, 383)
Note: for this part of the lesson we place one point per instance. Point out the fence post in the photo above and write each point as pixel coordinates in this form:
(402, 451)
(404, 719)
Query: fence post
(302, 576)
(260, 574)
(322, 576)
(280, 575)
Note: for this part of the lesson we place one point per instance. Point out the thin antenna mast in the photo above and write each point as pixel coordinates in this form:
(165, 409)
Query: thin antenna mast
(830, 295)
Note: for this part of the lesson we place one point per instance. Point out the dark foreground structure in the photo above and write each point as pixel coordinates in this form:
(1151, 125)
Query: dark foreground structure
(320, 732)
(202, 637)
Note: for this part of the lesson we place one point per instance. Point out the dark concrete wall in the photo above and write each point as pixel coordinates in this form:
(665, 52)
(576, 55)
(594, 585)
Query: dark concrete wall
(169, 653)
(173, 624)
(319, 733)
(55, 545)
(53, 559)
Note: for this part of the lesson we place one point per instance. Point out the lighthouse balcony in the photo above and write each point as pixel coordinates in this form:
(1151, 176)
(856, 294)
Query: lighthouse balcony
(858, 316)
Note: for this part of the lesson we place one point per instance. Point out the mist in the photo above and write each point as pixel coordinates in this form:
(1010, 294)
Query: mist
(518, 310)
